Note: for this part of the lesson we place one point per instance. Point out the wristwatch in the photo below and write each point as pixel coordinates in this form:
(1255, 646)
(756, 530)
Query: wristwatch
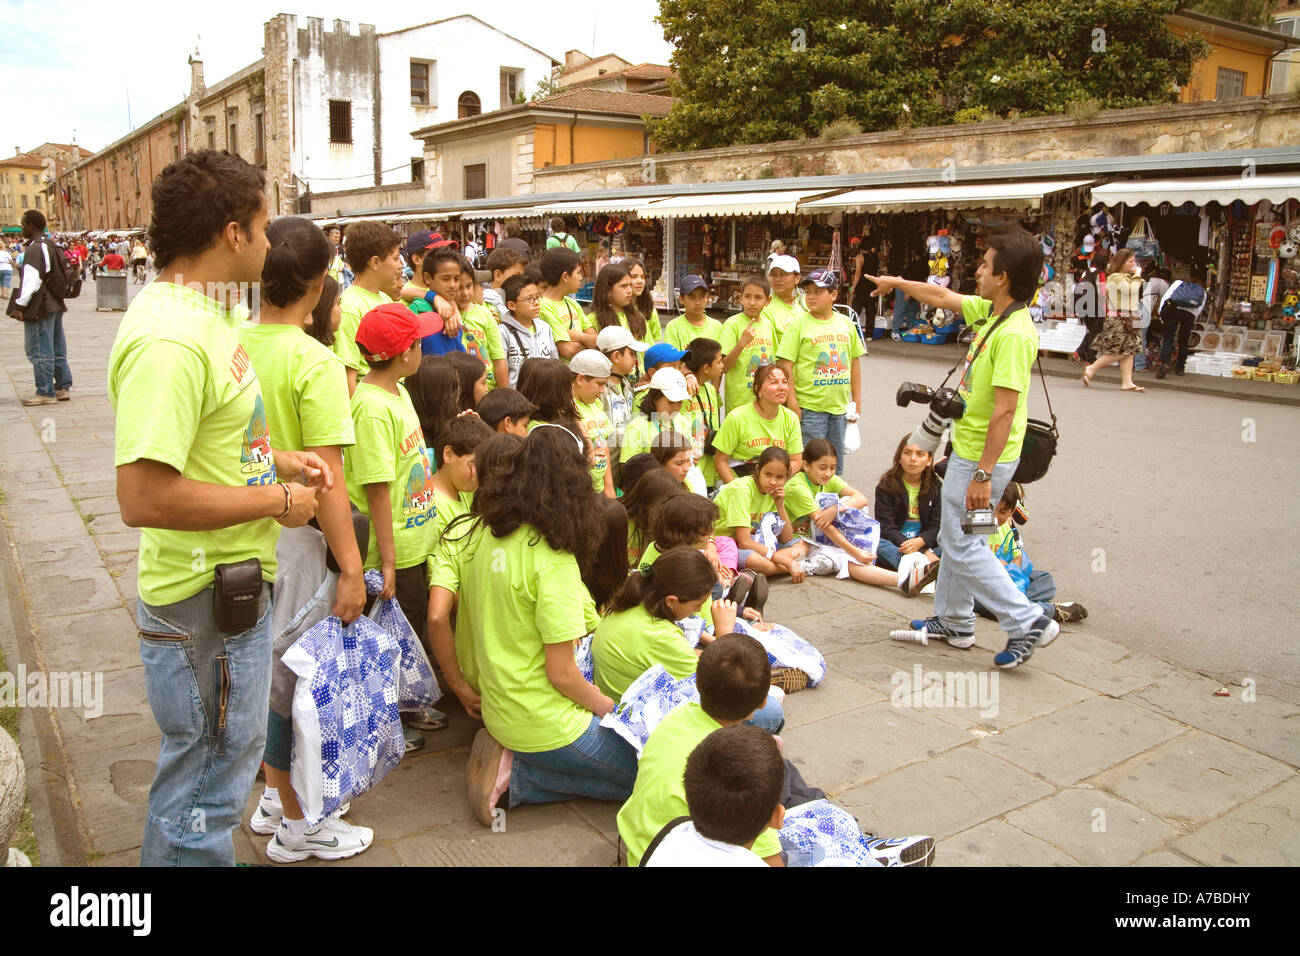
(981, 475)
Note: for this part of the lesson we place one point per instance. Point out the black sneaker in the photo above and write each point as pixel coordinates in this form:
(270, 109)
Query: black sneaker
(414, 740)
(1179, 371)
(1020, 647)
(430, 718)
(1068, 612)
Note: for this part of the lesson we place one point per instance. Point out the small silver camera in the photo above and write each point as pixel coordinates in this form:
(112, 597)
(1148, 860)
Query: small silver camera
(979, 521)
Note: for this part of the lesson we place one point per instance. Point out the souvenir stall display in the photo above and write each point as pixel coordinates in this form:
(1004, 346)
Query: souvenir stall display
(739, 248)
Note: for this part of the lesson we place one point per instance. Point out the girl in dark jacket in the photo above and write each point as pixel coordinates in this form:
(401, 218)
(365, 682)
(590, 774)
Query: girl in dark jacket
(908, 506)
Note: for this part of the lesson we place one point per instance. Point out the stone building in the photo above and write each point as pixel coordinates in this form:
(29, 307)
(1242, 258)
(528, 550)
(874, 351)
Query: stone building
(20, 188)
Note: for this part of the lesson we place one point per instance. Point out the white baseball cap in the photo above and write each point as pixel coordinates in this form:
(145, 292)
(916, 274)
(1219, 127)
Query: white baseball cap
(615, 337)
(672, 383)
(591, 363)
(785, 264)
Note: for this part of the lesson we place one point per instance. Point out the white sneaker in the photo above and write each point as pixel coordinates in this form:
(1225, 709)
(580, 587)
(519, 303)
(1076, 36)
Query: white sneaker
(903, 851)
(266, 818)
(897, 337)
(331, 839)
(819, 564)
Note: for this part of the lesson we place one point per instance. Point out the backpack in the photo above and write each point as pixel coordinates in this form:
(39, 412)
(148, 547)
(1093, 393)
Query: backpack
(1187, 295)
(63, 281)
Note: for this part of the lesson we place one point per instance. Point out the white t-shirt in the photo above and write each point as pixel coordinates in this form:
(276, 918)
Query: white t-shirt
(683, 846)
(6, 261)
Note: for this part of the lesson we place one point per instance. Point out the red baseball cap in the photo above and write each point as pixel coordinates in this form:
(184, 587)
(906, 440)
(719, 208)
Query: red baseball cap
(388, 330)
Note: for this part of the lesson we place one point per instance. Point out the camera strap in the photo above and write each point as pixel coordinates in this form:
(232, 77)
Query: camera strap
(984, 340)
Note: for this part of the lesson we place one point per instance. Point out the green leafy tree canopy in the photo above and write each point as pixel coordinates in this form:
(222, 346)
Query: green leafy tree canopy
(768, 70)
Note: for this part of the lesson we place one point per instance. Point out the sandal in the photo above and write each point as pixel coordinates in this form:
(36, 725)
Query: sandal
(1087, 379)
(1132, 388)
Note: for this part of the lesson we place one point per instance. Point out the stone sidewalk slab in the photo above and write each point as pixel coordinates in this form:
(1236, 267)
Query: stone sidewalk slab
(998, 844)
(1263, 832)
(1193, 778)
(1093, 827)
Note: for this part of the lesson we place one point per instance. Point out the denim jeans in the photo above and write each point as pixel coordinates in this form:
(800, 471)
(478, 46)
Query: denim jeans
(970, 569)
(906, 310)
(599, 764)
(209, 693)
(1177, 326)
(769, 717)
(825, 425)
(888, 554)
(47, 350)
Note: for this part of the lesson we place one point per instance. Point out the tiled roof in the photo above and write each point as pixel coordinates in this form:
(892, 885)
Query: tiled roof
(607, 101)
(649, 71)
(22, 159)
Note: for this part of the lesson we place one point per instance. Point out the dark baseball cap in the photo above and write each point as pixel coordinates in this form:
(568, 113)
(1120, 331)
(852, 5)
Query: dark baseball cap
(425, 240)
(691, 283)
(823, 279)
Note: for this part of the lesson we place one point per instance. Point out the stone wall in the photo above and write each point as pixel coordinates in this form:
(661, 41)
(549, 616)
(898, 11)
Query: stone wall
(343, 202)
(1254, 122)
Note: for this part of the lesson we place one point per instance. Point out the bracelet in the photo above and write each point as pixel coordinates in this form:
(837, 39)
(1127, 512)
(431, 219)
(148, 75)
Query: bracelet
(288, 501)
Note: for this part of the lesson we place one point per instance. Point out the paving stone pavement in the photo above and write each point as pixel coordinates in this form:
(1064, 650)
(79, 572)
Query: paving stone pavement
(1087, 755)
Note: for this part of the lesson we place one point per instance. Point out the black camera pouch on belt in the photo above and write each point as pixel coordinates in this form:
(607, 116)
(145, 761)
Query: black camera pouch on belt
(235, 598)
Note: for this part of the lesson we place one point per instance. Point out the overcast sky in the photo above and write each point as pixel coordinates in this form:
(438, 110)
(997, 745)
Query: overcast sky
(71, 67)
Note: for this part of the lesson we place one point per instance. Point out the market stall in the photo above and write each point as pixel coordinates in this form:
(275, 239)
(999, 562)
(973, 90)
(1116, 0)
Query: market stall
(1245, 230)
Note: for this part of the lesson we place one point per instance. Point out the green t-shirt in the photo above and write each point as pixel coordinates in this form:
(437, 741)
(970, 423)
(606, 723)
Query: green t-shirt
(1007, 361)
(745, 434)
(186, 394)
(1004, 543)
(679, 332)
(627, 642)
(641, 432)
(653, 331)
(354, 303)
(660, 793)
(599, 428)
(568, 242)
(738, 381)
(520, 595)
(822, 350)
(702, 411)
(445, 566)
(782, 315)
(481, 336)
(741, 504)
(565, 317)
(801, 496)
(304, 387)
(390, 450)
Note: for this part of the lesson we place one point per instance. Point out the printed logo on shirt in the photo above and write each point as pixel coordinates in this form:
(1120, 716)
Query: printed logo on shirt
(241, 367)
(756, 361)
(832, 352)
(418, 499)
(255, 456)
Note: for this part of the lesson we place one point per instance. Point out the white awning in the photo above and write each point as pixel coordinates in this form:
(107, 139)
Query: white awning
(1023, 195)
(774, 202)
(474, 215)
(1275, 187)
(596, 207)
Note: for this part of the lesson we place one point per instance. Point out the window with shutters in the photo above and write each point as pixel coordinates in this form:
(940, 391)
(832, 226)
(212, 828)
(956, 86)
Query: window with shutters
(1231, 84)
(476, 181)
(232, 131)
(340, 121)
(510, 82)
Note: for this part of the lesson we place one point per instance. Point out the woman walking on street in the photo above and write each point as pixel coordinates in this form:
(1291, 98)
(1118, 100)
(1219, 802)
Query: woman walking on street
(1119, 340)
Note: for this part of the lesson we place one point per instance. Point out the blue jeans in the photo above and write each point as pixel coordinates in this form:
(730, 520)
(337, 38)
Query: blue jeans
(599, 764)
(209, 694)
(825, 425)
(906, 310)
(1041, 590)
(888, 555)
(970, 569)
(769, 717)
(47, 350)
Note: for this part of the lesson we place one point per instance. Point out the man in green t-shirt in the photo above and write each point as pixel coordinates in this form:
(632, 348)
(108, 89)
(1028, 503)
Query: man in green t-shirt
(197, 471)
(986, 442)
(560, 238)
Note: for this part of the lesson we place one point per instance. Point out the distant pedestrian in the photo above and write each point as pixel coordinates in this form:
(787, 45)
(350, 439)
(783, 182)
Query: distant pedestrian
(515, 239)
(6, 270)
(865, 263)
(47, 349)
(1120, 335)
(560, 237)
(1179, 309)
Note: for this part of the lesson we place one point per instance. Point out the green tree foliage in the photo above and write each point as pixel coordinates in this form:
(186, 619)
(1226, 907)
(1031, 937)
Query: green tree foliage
(1256, 13)
(767, 70)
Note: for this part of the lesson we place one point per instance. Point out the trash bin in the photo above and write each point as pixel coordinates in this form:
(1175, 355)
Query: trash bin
(110, 292)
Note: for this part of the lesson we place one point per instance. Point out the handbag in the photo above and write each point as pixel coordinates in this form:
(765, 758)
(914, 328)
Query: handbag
(1039, 447)
(33, 311)
(1142, 240)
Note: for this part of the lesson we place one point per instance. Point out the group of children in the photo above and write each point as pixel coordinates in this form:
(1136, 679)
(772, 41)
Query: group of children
(533, 474)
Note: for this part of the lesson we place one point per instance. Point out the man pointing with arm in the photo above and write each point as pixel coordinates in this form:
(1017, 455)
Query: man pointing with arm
(986, 441)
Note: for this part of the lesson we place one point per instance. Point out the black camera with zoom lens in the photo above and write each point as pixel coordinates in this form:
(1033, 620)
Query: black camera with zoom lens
(944, 401)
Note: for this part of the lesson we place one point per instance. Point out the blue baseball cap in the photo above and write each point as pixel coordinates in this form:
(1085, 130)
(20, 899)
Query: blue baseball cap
(663, 353)
(822, 278)
(691, 283)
